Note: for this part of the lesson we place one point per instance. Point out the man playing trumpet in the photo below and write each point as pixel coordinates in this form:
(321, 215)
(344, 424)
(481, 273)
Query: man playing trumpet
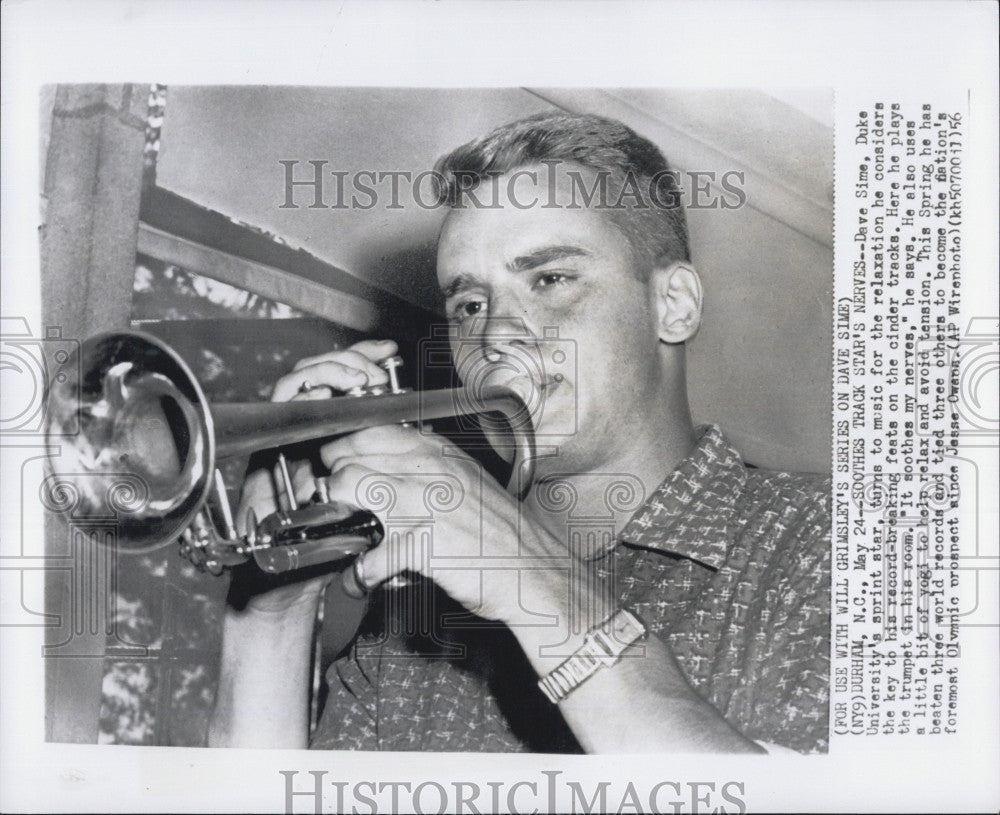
(701, 625)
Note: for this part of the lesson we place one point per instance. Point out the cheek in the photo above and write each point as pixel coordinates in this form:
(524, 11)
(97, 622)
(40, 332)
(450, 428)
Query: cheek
(619, 357)
(467, 358)
(622, 323)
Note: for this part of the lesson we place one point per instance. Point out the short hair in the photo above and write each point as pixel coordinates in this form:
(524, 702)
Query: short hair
(654, 224)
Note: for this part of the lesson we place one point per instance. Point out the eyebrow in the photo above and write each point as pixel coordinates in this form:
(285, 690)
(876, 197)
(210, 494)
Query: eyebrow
(547, 254)
(522, 263)
(460, 283)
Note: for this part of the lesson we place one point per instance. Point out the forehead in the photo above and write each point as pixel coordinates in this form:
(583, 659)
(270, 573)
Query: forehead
(523, 211)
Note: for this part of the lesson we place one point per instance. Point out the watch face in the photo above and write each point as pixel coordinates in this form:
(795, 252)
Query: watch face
(626, 628)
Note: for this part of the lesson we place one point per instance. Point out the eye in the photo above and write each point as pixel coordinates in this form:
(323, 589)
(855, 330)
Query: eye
(466, 309)
(549, 279)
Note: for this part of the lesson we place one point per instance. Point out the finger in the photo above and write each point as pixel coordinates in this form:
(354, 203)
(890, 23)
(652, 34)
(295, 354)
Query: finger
(387, 465)
(345, 484)
(303, 481)
(371, 350)
(393, 556)
(309, 391)
(385, 439)
(375, 350)
(382, 562)
(336, 375)
(258, 495)
(351, 359)
(405, 549)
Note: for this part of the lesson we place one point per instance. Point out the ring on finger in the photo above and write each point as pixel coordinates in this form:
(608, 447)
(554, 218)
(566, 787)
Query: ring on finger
(354, 580)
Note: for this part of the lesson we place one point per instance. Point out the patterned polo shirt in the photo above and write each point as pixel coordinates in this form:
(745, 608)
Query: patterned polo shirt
(728, 564)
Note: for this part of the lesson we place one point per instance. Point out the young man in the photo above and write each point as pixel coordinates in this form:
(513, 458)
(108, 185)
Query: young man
(701, 626)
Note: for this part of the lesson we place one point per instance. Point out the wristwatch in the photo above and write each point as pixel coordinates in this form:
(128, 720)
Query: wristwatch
(602, 647)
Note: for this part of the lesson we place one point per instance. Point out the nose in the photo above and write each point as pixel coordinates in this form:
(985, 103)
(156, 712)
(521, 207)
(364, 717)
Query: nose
(490, 331)
(502, 343)
(506, 323)
(500, 339)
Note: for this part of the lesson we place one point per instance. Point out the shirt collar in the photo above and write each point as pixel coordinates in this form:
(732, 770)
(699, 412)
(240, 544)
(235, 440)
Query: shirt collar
(691, 512)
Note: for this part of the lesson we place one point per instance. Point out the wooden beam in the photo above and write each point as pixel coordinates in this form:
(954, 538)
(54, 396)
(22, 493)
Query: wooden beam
(275, 284)
(93, 183)
(91, 191)
(386, 314)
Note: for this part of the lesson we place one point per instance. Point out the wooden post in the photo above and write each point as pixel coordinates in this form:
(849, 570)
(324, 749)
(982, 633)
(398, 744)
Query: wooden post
(90, 213)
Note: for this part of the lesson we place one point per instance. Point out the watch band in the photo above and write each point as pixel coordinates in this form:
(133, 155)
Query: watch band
(602, 646)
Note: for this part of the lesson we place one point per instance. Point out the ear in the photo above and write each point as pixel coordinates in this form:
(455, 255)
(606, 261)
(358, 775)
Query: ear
(677, 294)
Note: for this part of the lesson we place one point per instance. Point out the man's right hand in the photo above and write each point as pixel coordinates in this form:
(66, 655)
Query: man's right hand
(336, 372)
(318, 377)
(263, 693)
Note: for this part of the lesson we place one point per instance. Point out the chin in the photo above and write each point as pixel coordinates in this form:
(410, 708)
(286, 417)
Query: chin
(563, 455)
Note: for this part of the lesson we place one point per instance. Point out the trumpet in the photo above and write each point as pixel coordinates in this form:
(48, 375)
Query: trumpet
(140, 442)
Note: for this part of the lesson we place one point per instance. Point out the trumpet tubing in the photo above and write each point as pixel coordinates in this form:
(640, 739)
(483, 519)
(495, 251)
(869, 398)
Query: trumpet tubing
(131, 412)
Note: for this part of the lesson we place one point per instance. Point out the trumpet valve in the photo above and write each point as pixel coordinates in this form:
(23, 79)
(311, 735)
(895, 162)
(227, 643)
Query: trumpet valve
(199, 543)
(392, 366)
(202, 544)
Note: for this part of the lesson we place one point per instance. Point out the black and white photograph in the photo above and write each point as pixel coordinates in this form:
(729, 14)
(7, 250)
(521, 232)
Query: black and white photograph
(629, 555)
(432, 442)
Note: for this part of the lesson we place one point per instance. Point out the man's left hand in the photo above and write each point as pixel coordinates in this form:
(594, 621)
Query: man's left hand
(469, 535)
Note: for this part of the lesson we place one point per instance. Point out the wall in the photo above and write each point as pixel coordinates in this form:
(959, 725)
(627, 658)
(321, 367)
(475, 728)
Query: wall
(760, 366)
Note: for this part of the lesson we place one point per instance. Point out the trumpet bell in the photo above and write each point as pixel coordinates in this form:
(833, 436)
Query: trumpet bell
(138, 442)
(136, 439)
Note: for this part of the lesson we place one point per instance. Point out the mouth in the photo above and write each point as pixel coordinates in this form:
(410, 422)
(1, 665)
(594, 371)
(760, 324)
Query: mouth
(519, 369)
(530, 390)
